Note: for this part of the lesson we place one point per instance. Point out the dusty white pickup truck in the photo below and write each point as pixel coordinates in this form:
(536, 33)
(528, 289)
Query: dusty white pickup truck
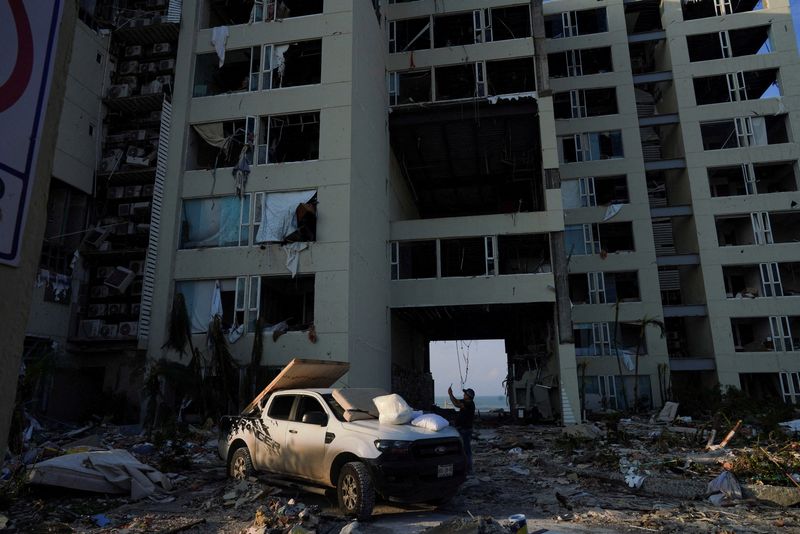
(326, 437)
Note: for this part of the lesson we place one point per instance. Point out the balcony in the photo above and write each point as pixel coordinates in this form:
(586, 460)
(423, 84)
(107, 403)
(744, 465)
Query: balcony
(752, 178)
(764, 280)
(758, 228)
(712, 8)
(729, 43)
(765, 334)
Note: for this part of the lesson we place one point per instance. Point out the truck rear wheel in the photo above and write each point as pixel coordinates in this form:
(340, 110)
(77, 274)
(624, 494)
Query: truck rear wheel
(241, 465)
(355, 491)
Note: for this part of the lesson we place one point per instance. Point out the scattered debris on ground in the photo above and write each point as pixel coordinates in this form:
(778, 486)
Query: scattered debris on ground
(660, 472)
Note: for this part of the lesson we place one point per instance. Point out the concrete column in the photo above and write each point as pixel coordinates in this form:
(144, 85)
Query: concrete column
(16, 283)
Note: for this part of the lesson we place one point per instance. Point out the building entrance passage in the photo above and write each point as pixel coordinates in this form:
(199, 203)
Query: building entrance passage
(513, 353)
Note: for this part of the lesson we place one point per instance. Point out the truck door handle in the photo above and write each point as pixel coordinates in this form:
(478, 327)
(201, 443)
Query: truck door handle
(293, 432)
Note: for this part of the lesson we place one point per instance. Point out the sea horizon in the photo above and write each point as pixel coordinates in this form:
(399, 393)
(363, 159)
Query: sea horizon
(482, 402)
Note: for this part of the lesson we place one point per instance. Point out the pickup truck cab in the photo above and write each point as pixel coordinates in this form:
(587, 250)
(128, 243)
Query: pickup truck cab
(307, 436)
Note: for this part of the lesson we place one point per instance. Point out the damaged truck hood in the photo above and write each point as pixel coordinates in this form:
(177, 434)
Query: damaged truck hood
(301, 374)
(374, 428)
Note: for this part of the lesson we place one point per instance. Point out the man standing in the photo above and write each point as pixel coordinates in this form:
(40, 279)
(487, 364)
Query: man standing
(464, 420)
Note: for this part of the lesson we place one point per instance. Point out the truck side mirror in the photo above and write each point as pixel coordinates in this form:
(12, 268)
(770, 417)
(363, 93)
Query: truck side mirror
(315, 418)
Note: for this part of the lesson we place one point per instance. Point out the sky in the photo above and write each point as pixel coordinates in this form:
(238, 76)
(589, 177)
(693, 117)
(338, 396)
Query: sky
(487, 366)
(794, 5)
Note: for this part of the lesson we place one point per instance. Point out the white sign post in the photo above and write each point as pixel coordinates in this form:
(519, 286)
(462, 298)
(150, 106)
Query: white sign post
(28, 36)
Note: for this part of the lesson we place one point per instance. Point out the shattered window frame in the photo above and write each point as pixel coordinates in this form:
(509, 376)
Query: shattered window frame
(264, 135)
(270, 11)
(243, 218)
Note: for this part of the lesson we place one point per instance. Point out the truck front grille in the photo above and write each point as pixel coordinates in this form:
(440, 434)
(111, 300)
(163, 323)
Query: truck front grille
(432, 448)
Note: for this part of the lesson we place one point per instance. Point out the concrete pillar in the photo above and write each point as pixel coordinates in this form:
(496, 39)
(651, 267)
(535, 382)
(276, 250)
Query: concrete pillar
(16, 283)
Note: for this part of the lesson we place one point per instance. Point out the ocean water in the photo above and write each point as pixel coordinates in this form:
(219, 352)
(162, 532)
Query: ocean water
(483, 403)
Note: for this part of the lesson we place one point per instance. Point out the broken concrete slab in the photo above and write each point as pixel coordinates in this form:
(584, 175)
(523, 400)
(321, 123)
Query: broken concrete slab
(780, 495)
(668, 413)
(584, 430)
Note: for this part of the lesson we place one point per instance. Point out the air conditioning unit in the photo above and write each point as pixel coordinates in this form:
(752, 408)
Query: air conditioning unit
(96, 236)
(146, 68)
(154, 116)
(137, 267)
(120, 279)
(104, 271)
(129, 67)
(162, 48)
(147, 190)
(137, 156)
(136, 309)
(152, 88)
(124, 210)
(133, 51)
(116, 192)
(155, 4)
(98, 292)
(90, 328)
(137, 135)
(156, 19)
(133, 190)
(116, 138)
(110, 162)
(130, 81)
(143, 228)
(166, 64)
(117, 309)
(164, 79)
(109, 330)
(128, 329)
(119, 91)
(97, 310)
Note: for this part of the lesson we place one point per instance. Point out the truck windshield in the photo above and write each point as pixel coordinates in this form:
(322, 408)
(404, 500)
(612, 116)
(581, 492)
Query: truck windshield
(335, 407)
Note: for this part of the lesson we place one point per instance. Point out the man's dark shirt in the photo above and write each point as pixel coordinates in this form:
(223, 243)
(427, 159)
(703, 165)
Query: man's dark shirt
(466, 415)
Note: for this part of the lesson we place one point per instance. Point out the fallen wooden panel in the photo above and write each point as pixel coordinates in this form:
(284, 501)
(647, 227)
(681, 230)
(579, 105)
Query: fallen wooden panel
(300, 373)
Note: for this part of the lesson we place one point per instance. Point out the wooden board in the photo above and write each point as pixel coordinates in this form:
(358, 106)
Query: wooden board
(300, 373)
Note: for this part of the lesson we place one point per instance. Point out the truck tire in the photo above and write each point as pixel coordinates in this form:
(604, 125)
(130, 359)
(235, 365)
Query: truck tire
(355, 491)
(241, 465)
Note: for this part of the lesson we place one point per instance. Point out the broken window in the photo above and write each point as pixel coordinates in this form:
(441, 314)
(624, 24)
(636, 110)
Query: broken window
(604, 287)
(286, 300)
(698, 9)
(642, 17)
(513, 22)
(413, 259)
(594, 191)
(580, 103)
(456, 82)
(743, 132)
(409, 34)
(216, 144)
(511, 76)
(270, 10)
(294, 64)
(285, 138)
(760, 334)
(573, 23)
(580, 62)
(729, 43)
(225, 13)
(285, 217)
(410, 87)
(233, 76)
(215, 222)
(463, 257)
(790, 387)
(752, 178)
(199, 296)
(594, 238)
(590, 146)
(523, 254)
(736, 86)
(453, 30)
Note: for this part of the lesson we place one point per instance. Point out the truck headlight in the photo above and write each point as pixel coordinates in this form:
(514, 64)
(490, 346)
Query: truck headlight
(392, 446)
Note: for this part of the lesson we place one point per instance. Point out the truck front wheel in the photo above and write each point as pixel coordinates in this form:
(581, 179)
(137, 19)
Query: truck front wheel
(241, 465)
(355, 491)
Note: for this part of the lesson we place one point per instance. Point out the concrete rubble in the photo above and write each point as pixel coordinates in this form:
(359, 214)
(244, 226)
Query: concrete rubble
(613, 474)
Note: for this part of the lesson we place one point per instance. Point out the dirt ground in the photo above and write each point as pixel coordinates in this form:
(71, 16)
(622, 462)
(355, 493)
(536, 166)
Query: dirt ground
(560, 483)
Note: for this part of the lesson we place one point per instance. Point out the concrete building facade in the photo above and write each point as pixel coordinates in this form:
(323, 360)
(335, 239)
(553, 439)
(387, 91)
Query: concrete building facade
(679, 171)
(608, 186)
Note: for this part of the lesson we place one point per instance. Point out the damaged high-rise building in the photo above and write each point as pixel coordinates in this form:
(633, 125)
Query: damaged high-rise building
(607, 186)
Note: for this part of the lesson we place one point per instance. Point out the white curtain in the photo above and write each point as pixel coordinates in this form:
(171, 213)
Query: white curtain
(279, 218)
